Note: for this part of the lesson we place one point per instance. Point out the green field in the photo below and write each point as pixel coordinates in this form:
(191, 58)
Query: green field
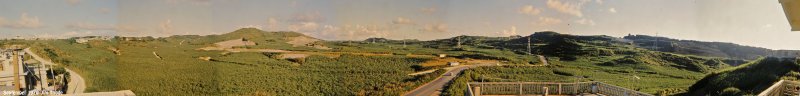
(174, 65)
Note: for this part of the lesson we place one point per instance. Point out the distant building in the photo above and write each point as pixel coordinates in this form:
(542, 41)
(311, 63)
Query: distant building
(452, 63)
(87, 38)
(442, 55)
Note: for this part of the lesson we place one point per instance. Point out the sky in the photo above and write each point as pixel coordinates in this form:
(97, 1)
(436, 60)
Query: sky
(760, 23)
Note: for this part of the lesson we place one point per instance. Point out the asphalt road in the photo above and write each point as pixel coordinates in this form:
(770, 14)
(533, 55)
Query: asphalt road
(435, 87)
(76, 84)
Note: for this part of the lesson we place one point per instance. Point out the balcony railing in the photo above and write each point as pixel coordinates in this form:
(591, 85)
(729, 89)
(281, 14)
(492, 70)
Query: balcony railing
(539, 88)
(782, 88)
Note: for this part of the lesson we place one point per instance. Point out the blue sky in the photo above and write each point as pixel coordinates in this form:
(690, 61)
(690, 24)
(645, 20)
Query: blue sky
(748, 22)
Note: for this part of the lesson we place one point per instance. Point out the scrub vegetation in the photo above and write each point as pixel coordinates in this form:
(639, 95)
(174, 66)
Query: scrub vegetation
(177, 65)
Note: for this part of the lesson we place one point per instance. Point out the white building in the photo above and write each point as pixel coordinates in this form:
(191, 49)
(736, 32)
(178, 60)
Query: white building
(452, 63)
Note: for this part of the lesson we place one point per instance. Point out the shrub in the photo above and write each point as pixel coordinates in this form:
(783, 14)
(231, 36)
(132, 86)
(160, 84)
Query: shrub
(730, 91)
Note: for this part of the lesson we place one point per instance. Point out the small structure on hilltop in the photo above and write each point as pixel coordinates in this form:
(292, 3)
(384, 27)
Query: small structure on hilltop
(442, 55)
(452, 63)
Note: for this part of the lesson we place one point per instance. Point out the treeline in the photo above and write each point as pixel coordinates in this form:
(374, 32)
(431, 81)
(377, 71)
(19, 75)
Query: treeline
(700, 48)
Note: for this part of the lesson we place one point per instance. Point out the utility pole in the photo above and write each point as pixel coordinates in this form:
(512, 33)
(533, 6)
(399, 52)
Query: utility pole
(459, 42)
(404, 41)
(656, 44)
(529, 45)
(633, 77)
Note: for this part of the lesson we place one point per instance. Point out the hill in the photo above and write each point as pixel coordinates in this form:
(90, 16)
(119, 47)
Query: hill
(713, 49)
(748, 79)
(376, 66)
(174, 66)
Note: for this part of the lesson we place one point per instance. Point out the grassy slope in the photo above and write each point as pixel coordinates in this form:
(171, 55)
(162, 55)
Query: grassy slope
(656, 79)
(604, 60)
(595, 57)
(93, 59)
(749, 78)
(181, 73)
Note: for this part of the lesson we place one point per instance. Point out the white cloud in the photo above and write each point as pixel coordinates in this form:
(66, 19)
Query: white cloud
(308, 17)
(47, 36)
(127, 29)
(436, 28)
(360, 32)
(572, 8)
(166, 27)
(509, 32)
(401, 20)
(304, 27)
(272, 24)
(74, 2)
(599, 1)
(193, 2)
(89, 26)
(250, 26)
(585, 21)
(3, 21)
(529, 10)
(582, 21)
(612, 10)
(272, 21)
(104, 10)
(428, 10)
(73, 33)
(294, 4)
(23, 22)
(543, 21)
(201, 2)
(327, 29)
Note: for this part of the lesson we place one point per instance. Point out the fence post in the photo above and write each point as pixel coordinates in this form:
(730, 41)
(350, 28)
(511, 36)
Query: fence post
(575, 88)
(559, 88)
(626, 93)
(546, 90)
(477, 91)
(594, 88)
(520, 88)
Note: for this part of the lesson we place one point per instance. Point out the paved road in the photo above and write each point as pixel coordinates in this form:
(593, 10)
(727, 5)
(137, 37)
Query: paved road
(76, 84)
(435, 87)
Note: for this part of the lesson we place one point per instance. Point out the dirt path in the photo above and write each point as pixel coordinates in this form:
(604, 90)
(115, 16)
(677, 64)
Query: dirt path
(76, 84)
(424, 72)
(544, 60)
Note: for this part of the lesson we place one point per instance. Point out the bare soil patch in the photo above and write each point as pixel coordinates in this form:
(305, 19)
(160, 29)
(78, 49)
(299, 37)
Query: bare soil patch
(305, 41)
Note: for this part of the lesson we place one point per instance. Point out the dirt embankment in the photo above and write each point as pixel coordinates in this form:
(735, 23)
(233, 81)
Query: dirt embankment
(229, 44)
(305, 41)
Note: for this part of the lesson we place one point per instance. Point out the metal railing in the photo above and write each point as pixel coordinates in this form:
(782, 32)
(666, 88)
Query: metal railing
(782, 88)
(540, 88)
